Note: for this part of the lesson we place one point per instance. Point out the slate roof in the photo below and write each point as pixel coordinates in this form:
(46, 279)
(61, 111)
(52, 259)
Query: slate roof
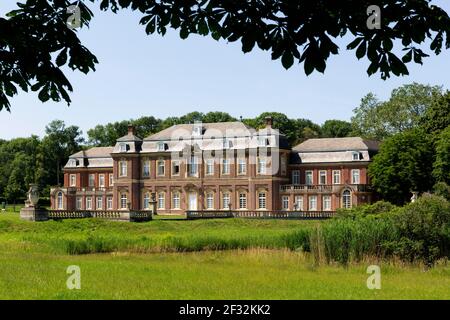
(209, 130)
(95, 152)
(337, 144)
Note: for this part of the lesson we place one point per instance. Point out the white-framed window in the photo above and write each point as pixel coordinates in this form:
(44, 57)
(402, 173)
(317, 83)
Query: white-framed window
(226, 200)
(309, 177)
(209, 168)
(262, 200)
(197, 129)
(161, 146)
(296, 177)
(298, 200)
(346, 199)
(263, 141)
(285, 202)
(262, 165)
(122, 168)
(209, 200)
(101, 180)
(146, 200)
(99, 204)
(78, 203)
(123, 147)
(111, 180)
(161, 167)
(175, 168)
(356, 156)
(312, 203)
(109, 203)
(176, 200)
(91, 180)
(146, 168)
(59, 201)
(242, 166)
(336, 176)
(123, 200)
(225, 166)
(192, 167)
(355, 176)
(326, 202)
(242, 200)
(322, 177)
(161, 200)
(88, 203)
(227, 143)
(73, 180)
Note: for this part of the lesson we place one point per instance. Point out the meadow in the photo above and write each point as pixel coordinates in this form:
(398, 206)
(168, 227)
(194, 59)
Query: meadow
(202, 259)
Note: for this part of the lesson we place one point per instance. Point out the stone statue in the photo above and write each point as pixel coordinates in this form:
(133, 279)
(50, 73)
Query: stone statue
(32, 196)
(414, 196)
(31, 211)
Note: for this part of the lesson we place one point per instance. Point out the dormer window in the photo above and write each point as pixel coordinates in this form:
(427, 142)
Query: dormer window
(161, 146)
(123, 147)
(227, 144)
(72, 163)
(356, 156)
(263, 141)
(197, 130)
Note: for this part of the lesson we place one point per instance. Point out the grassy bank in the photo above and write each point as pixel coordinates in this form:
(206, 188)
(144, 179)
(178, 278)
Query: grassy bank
(250, 274)
(175, 259)
(99, 236)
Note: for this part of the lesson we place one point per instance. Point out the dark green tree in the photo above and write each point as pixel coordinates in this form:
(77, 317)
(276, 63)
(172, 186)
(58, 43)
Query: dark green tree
(36, 43)
(17, 166)
(406, 106)
(441, 167)
(106, 135)
(336, 129)
(403, 165)
(218, 116)
(54, 150)
(437, 117)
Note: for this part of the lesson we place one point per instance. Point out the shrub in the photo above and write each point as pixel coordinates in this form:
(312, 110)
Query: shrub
(442, 189)
(424, 229)
(365, 210)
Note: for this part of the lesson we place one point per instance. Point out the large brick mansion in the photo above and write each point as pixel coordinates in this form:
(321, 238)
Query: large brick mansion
(217, 166)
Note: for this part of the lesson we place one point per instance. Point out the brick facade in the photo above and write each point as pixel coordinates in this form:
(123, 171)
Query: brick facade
(245, 176)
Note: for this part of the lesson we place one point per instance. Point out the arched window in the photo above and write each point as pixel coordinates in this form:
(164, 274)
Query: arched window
(59, 202)
(346, 199)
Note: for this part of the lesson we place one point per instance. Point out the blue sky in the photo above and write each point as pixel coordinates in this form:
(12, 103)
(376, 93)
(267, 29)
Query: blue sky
(140, 75)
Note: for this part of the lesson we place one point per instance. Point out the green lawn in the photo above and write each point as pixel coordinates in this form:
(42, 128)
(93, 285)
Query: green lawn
(165, 259)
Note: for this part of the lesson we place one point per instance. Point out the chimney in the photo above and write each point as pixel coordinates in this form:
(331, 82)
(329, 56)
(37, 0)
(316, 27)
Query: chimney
(269, 122)
(131, 129)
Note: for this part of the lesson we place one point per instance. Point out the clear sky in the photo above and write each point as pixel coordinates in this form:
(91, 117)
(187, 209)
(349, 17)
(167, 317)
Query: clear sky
(140, 75)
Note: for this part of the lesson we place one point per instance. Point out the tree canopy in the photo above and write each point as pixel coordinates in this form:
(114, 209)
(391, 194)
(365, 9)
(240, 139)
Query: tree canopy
(404, 110)
(336, 129)
(403, 164)
(36, 42)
